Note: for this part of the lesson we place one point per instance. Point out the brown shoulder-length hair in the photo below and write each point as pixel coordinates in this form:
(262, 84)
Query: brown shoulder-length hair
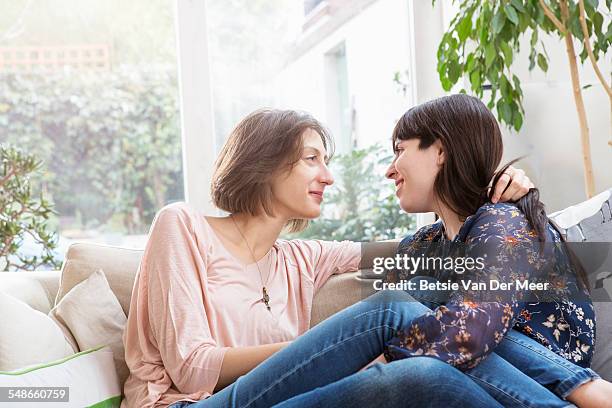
(262, 146)
(471, 139)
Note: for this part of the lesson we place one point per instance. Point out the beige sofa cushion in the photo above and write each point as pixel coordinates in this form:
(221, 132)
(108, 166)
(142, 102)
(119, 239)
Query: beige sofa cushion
(28, 336)
(119, 266)
(95, 318)
(339, 292)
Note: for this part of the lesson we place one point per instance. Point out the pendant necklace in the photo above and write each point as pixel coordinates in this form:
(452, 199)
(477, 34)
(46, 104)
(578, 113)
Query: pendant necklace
(265, 298)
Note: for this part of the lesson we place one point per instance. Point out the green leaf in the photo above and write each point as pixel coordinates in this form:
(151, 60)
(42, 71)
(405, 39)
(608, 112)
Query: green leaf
(507, 51)
(576, 29)
(490, 54)
(540, 17)
(534, 38)
(542, 63)
(464, 27)
(511, 13)
(506, 88)
(469, 63)
(517, 85)
(503, 86)
(524, 22)
(517, 121)
(475, 80)
(583, 55)
(446, 84)
(593, 3)
(454, 71)
(598, 22)
(589, 11)
(518, 4)
(505, 110)
(498, 22)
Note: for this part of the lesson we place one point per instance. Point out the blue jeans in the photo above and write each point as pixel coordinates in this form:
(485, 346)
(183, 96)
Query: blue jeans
(531, 358)
(321, 368)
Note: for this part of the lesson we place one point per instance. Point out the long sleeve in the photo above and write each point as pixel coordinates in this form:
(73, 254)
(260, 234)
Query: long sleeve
(463, 332)
(172, 270)
(319, 259)
(332, 257)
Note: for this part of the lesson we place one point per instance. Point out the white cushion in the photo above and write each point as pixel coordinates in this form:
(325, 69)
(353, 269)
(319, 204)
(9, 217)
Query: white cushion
(92, 313)
(28, 336)
(575, 214)
(89, 375)
(35, 288)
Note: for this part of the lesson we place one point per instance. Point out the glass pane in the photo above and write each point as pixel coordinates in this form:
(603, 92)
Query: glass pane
(90, 87)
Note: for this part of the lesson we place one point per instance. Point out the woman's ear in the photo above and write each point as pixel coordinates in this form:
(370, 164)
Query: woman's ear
(441, 155)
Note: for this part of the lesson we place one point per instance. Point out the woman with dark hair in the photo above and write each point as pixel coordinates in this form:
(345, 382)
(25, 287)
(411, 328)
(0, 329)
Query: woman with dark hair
(446, 151)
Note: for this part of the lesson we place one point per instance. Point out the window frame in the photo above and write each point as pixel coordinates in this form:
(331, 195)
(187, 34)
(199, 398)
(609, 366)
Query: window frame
(196, 105)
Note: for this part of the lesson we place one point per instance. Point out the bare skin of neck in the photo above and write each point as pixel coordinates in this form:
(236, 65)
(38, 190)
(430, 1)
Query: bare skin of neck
(260, 231)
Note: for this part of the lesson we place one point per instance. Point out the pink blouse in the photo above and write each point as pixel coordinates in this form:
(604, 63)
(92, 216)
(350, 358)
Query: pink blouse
(192, 300)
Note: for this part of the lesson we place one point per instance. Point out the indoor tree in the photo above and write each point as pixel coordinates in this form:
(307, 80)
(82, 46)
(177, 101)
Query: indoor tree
(485, 37)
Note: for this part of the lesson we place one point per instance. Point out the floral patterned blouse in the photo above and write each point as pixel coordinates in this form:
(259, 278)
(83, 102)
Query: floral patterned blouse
(462, 332)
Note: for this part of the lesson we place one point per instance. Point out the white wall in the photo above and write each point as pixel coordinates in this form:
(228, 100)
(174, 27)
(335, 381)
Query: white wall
(550, 135)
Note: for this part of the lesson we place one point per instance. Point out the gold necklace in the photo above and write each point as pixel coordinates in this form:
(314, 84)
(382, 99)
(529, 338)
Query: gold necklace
(265, 298)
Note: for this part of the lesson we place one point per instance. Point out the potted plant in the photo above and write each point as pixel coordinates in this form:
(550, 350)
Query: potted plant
(22, 214)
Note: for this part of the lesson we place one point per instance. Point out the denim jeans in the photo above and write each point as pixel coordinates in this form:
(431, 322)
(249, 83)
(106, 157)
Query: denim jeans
(321, 368)
(531, 358)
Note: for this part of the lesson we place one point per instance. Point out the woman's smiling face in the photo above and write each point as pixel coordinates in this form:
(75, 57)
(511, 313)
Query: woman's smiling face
(414, 171)
(298, 193)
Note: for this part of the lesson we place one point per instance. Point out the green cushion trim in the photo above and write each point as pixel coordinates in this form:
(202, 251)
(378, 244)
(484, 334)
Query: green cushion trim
(112, 402)
(53, 363)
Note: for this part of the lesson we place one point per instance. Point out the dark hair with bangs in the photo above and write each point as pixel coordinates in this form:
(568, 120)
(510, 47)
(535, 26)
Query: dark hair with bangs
(471, 139)
(263, 144)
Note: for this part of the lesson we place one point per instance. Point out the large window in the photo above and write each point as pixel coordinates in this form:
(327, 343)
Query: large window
(90, 87)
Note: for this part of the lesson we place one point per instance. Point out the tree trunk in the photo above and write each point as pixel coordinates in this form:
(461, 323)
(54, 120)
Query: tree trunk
(589, 180)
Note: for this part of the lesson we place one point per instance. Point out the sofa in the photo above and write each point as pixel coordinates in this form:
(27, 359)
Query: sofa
(42, 290)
